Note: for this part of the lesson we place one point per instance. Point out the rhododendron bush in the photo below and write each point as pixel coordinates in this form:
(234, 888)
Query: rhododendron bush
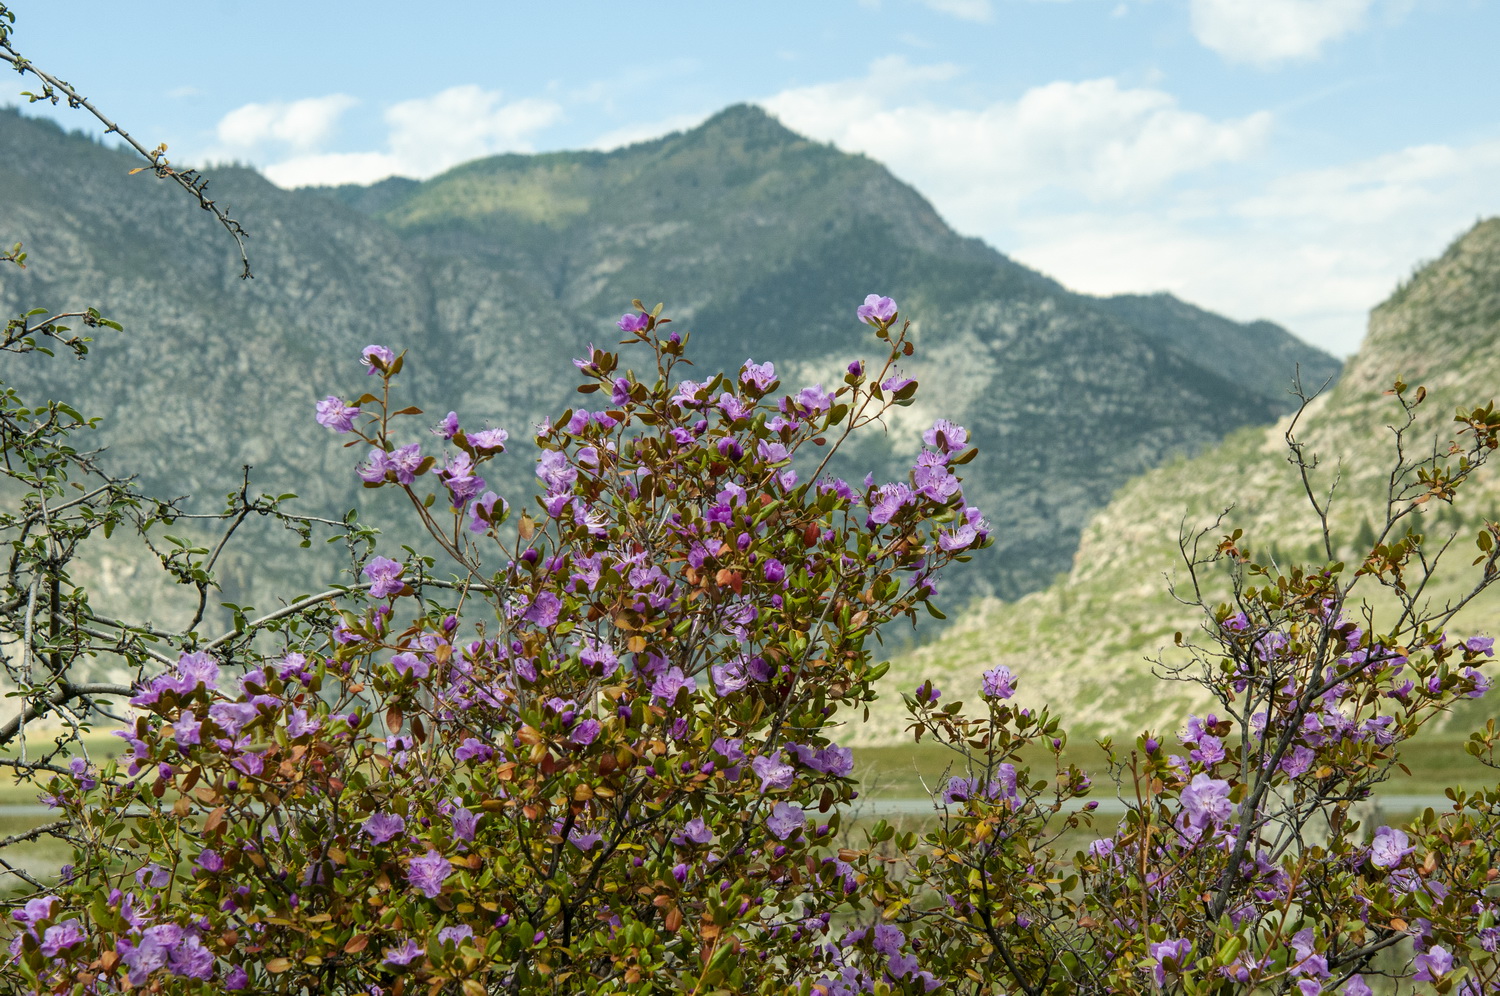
(590, 739)
(604, 752)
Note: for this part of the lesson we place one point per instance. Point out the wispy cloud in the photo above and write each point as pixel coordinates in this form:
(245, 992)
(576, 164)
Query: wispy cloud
(1094, 138)
(300, 124)
(424, 136)
(967, 10)
(1313, 249)
(1266, 33)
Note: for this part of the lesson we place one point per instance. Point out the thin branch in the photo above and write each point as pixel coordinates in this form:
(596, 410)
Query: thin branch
(190, 180)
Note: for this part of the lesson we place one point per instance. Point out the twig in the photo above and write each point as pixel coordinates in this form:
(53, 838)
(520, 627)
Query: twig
(190, 180)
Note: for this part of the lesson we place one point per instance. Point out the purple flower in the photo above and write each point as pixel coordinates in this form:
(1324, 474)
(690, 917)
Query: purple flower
(426, 873)
(408, 664)
(448, 427)
(773, 772)
(186, 731)
(999, 683)
(960, 539)
(666, 686)
(194, 668)
(237, 979)
(373, 471)
(890, 499)
(584, 841)
(465, 824)
(459, 478)
(598, 657)
(695, 831)
(377, 358)
(632, 322)
(729, 677)
(405, 463)
(1174, 952)
(1210, 750)
(888, 939)
(815, 398)
(60, 936)
(946, 436)
(553, 468)
(334, 414)
(190, 959)
(231, 717)
(299, 725)
(35, 910)
(489, 440)
(785, 820)
(383, 574)
(381, 827)
(895, 382)
(482, 513)
(1102, 848)
(474, 749)
(455, 935)
(876, 310)
(687, 394)
(1298, 761)
(1389, 847)
(734, 408)
(585, 733)
(1480, 645)
(774, 571)
(544, 610)
(834, 760)
(210, 861)
(404, 955)
(761, 376)
(959, 790)
(1206, 799)
(935, 483)
(1432, 964)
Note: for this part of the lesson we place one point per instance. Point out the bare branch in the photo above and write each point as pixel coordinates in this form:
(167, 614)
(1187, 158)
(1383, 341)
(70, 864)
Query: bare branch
(190, 180)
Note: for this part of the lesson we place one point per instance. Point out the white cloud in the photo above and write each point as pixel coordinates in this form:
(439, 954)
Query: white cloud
(968, 10)
(424, 136)
(301, 124)
(1267, 32)
(1313, 250)
(1093, 138)
(1113, 189)
(461, 123)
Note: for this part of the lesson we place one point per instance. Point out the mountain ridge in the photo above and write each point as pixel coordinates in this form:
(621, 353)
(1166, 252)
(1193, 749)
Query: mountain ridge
(771, 243)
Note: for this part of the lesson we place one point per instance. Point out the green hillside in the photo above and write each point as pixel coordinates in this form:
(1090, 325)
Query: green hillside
(1085, 643)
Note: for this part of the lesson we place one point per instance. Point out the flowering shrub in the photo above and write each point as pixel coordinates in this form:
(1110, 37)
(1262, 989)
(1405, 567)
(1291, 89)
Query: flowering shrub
(604, 756)
(1240, 864)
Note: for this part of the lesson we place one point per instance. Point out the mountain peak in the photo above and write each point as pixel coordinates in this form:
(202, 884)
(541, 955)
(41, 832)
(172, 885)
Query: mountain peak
(746, 123)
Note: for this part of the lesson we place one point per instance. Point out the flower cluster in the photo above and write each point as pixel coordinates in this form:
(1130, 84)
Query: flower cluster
(615, 737)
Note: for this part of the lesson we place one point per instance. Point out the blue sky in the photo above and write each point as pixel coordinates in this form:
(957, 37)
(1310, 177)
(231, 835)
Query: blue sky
(1286, 159)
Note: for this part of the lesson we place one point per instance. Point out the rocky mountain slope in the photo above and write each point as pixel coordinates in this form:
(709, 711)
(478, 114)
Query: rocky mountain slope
(494, 274)
(1083, 643)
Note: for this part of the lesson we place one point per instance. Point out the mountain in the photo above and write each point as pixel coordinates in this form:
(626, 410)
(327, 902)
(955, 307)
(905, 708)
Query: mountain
(1086, 643)
(497, 272)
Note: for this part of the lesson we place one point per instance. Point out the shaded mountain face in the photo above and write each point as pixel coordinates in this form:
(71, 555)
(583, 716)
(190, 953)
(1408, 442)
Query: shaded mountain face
(1086, 644)
(496, 273)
